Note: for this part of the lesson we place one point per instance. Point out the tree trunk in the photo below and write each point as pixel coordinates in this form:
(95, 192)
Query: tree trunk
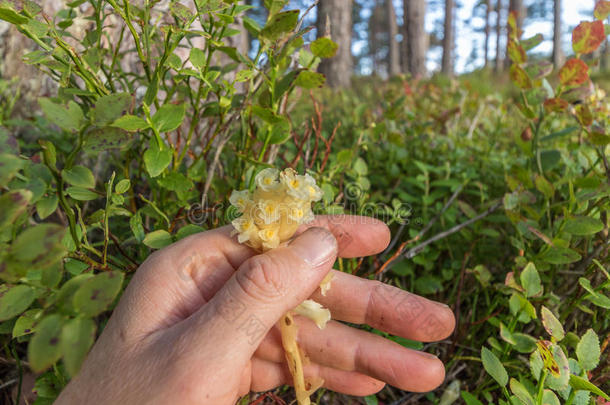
(415, 12)
(499, 7)
(487, 30)
(394, 52)
(558, 56)
(448, 42)
(338, 70)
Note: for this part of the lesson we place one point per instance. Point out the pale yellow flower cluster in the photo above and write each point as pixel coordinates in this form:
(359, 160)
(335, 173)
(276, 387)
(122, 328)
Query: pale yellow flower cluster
(271, 214)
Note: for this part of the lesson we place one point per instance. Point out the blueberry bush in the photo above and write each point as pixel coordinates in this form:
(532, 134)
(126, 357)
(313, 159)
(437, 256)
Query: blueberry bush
(497, 195)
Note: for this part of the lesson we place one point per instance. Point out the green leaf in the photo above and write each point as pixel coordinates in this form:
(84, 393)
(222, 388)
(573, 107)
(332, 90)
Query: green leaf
(494, 367)
(69, 118)
(79, 176)
(188, 230)
(77, 337)
(280, 132)
(251, 25)
(549, 398)
(8, 14)
(280, 24)
(521, 392)
(561, 381)
(530, 280)
(579, 383)
(82, 194)
(324, 47)
(9, 166)
(135, 224)
(551, 324)
(26, 323)
(560, 255)
(310, 80)
(168, 117)
(588, 350)
(109, 108)
(130, 123)
(75, 267)
(46, 205)
(371, 400)
(158, 239)
(39, 246)
(197, 58)
(470, 399)
(157, 160)
(97, 293)
(583, 226)
(544, 187)
(14, 301)
(44, 349)
(102, 139)
(12, 205)
(175, 182)
(122, 186)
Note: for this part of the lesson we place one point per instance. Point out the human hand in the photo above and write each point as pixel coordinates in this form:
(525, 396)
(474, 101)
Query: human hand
(196, 323)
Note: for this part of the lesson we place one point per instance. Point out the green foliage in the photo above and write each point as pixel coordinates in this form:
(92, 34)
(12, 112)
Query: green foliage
(121, 162)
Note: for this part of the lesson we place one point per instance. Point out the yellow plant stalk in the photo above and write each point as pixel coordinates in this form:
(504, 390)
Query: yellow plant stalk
(269, 217)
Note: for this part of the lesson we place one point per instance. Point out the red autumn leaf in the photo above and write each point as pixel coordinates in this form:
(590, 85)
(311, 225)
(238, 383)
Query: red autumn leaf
(555, 104)
(602, 9)
(574, 72)
(587, 37)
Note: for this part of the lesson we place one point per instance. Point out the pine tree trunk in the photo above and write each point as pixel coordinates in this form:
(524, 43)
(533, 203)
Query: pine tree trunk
(487, 30)
(558, 56)
(338, 70)
(499, 9)
(415, 12)
(448, 42)
(394, 52)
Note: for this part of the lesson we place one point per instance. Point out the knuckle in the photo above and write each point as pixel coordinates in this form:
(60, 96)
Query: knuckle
(262, 280)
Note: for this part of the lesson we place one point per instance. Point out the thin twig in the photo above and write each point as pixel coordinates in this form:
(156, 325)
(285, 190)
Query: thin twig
(414, 251)
(419, 235)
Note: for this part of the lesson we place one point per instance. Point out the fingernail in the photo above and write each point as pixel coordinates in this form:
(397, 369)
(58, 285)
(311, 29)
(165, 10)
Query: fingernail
(315, 246)
(427, 355)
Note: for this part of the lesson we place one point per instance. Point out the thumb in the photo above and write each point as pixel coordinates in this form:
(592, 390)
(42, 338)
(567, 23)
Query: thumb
(262, 290)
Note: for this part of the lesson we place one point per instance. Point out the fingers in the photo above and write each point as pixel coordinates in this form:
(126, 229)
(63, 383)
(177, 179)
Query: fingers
(357, 300)
(342, 347)
(267, 375)
(356, 236)
(264, 288)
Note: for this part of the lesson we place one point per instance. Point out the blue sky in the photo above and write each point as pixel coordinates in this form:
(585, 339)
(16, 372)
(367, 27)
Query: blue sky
(573, 12)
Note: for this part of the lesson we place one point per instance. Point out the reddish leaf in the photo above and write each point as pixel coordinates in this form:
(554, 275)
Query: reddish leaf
(512, 25)
(578, 94)
(520, 77)
(602, 9)
(574, 72)
(516, 53)
(587, 37)
(555, 105)
(583, 114)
